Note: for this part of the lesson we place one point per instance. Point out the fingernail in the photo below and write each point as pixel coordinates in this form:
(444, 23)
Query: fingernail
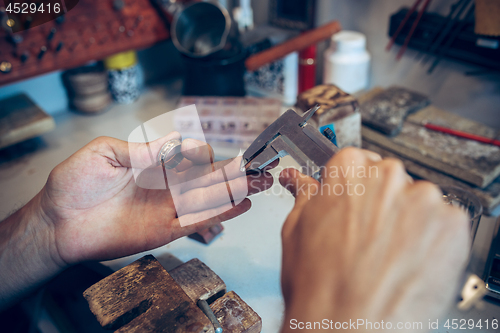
(283, 176)
(253, 172)
(374, 157)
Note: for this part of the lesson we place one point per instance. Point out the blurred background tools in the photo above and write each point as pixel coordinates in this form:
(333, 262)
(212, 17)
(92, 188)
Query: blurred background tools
(412, 29)
(90, 31)
(461, 134)
(439, 156)
(92, 88)
(22, 119)
(469, 32)
(215, 60)
(228, 72)
(460, 24)
(205, 29)
(492, 272)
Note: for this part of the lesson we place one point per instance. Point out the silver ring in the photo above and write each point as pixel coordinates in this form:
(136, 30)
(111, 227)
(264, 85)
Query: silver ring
(170, 154)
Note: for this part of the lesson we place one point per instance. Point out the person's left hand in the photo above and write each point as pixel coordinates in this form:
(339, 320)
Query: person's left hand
(97, 211)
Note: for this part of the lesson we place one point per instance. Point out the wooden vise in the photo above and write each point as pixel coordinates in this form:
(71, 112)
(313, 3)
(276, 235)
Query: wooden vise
(144, 297)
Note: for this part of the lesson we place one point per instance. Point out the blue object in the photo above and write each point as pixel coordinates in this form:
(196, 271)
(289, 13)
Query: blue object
(327, 131)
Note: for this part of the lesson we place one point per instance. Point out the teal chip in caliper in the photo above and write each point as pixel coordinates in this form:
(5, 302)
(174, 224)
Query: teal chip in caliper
(329, 132)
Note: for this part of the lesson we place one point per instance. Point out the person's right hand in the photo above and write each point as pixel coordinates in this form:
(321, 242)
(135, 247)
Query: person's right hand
(385, 249)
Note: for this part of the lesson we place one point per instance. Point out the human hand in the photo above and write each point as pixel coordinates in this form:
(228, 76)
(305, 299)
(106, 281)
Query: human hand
(390, 250)
(98, 211)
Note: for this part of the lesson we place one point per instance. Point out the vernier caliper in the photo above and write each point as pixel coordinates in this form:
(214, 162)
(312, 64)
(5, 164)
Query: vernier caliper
(290, 134)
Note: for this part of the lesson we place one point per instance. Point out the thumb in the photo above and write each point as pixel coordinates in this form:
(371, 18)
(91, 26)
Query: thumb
(300, 185)
(302, 188)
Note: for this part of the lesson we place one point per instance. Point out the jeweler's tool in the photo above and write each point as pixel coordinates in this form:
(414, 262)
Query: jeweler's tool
(469, 17)
(290, 134)
(445, 31)
(461, 134)
(412, 30)
(203, 305)
(402, 24)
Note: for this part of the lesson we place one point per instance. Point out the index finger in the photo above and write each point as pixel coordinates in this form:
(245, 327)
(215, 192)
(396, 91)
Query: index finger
(197, 151)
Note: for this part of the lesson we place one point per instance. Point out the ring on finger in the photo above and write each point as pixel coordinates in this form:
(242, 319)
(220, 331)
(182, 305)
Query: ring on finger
(170, 154)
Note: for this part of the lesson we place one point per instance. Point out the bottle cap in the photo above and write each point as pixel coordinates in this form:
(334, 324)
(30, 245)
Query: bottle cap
(349, 41)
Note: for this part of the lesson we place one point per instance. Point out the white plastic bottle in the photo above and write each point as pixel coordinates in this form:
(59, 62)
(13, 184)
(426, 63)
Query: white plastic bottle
(346, 62)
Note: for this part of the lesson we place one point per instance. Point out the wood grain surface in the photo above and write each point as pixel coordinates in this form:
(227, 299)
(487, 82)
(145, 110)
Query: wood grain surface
(22, 119)
(235, 316)
(198, 281)
(385, 110)
(143, 297)
(489, 196)
(470, 161)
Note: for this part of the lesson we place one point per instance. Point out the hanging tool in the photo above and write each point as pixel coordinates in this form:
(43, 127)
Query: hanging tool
(291, 135)
(461, 134)
(453, 36)
(446, 30)
(438, 29)
(412, 29)
(203, 305)
(401, 25)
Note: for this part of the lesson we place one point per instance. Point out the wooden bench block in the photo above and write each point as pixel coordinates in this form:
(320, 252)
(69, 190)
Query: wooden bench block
(143, 297)
(198, 281)
(161, 317)
(235, 316)
(22, 119)
(386, 110)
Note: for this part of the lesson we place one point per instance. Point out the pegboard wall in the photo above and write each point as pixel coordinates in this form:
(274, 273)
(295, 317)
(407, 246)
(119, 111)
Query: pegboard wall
(92, 30)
